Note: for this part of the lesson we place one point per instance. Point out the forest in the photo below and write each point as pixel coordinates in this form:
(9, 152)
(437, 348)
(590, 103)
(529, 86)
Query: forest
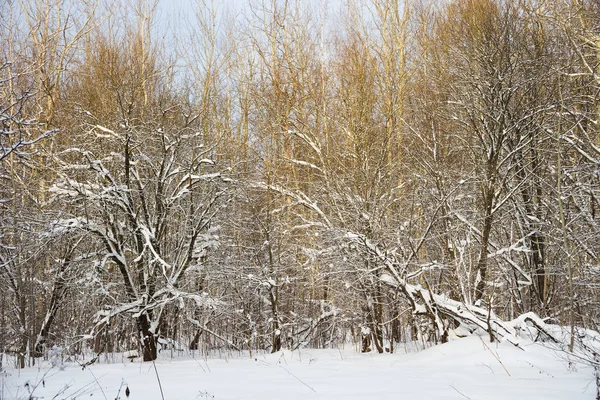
(295, 174)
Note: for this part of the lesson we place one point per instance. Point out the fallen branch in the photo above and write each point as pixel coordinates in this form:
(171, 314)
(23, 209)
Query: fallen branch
(435, 306)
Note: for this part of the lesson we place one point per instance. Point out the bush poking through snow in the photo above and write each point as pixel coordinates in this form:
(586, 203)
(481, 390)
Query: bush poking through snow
(56, 357)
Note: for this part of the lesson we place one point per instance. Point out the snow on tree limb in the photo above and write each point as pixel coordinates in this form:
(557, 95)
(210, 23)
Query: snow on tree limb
(425, 302)
(21, 143)
(504, 253)
(299, 196)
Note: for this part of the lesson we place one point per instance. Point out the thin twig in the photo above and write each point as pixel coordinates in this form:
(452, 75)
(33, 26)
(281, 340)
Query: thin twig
(120, 387)
(495, 356)
(162, 395)
(298, 379)
(461, 393)
(98, 383)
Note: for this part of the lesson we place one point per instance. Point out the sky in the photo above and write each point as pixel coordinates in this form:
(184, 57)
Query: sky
(173, 16)
(169, 9)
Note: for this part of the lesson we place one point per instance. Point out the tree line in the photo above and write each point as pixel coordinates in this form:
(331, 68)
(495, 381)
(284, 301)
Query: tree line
(290, 175)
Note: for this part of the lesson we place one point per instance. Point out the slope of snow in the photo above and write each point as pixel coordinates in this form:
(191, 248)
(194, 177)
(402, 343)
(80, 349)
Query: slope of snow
(468, 368)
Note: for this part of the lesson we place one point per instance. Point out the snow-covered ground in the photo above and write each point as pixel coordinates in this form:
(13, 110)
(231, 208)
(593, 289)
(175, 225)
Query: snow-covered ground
(462, 369)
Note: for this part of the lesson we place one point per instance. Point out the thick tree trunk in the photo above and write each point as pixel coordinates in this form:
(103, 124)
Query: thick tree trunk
(196, 340)
(149, 350)
(482, 264)
(276, 329)
(377, 329)
(58, 293)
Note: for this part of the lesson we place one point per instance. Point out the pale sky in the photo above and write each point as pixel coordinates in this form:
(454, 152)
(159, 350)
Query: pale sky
(170, 8)
(172, 14)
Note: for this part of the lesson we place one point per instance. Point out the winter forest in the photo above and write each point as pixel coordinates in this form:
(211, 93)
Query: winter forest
(296, 174)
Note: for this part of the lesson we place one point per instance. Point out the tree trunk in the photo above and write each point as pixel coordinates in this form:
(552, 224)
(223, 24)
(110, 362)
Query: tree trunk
(482, 264)
(378, 319)
(276, 330)
(196, 340)
(149, 350)
(58, 293)
(531, 201)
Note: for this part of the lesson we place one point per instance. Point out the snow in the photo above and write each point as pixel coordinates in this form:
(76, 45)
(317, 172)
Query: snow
(465, 368)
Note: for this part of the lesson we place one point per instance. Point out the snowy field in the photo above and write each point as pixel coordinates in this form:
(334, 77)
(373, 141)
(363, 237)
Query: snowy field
(462, 369)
